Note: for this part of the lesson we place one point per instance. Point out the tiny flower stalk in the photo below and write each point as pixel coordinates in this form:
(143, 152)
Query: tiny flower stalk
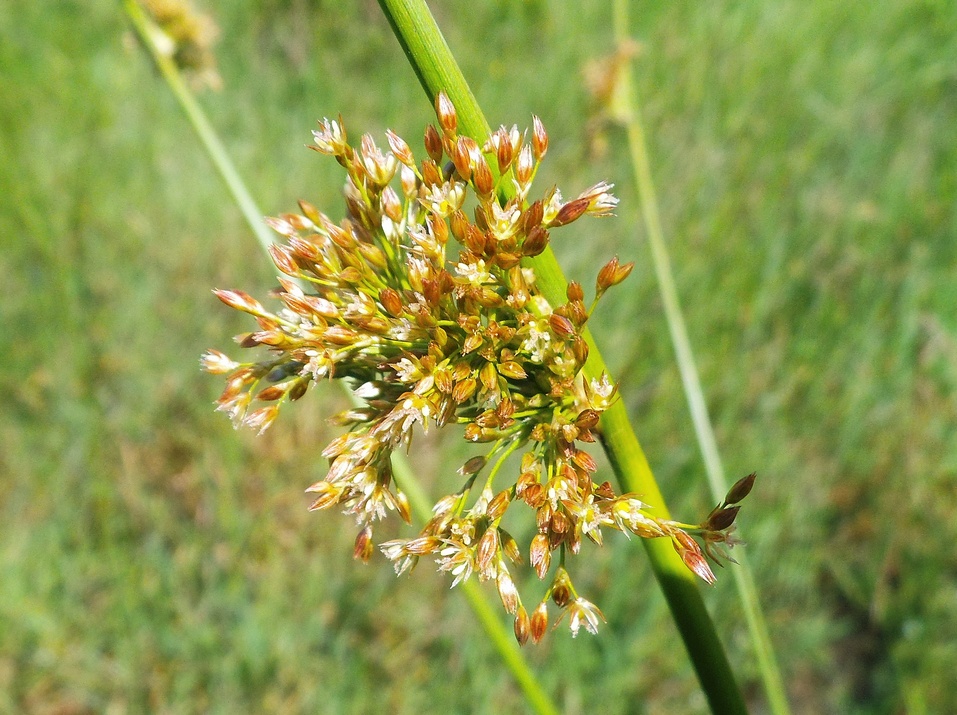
(428, 312)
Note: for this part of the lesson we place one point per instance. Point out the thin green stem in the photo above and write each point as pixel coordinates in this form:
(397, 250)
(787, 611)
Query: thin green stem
(500, 635)
(437, 70)
(627, 103)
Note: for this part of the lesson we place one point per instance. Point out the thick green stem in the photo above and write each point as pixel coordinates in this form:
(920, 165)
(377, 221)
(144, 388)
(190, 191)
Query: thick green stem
(627, 104)
(500, 636)
(437, 70)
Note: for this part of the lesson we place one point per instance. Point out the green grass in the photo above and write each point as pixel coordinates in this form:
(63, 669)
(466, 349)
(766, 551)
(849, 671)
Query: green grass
(151, 559)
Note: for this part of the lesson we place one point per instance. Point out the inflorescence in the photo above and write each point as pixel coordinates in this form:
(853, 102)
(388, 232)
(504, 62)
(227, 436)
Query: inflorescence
(426, 339)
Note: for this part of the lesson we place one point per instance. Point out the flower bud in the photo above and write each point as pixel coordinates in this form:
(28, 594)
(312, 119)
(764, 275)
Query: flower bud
(539, 556)
(539, 622)
(522, 626)
(445, 112)
(741, 489)
(362, 551)
(433, 147)
(539, 138)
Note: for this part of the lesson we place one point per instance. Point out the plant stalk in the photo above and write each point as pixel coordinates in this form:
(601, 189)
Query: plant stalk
(627, 105)
(437, 70)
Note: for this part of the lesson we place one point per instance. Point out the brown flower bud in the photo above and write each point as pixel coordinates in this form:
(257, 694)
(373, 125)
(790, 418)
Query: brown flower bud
(539, 622)
(464, 389)
(536, 241)
(507, 591)
(574, 292)
(298, 389)
(400, 148)
(430, 173)
(584, 460)
(522, 626)
(580, 348)
(539, 555)
(498, 505)
(741, 489)
(539, 138)
(562, 589)
(562, 326)
(504, 154)
(284, 260)
(513, 370)
(462, 159)
(489, 376)
(510, 547)
(433, 147)
(460, 225)
(445, 111)
(273, 392)
(722, 518)
(391, 302)
(403, 507)
(240, 301)
(362, 551)
(612, 274)
(571, 211)
(482, 178)
(587, 419)
(310, 212)
(487, 549)
(474, 240)
(690, 553)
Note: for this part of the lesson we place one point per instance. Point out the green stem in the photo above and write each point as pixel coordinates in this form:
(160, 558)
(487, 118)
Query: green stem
(500, 635)
(437, 70)
(627, 104)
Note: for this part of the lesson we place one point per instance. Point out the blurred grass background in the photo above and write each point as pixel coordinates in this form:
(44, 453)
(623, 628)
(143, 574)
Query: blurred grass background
(154, 560)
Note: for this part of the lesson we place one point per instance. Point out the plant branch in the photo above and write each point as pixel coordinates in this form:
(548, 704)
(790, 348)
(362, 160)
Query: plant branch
(627, 105)
(437, 70)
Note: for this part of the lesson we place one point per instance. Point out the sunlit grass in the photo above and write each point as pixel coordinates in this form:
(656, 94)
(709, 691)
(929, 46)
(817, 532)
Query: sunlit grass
(154, 560)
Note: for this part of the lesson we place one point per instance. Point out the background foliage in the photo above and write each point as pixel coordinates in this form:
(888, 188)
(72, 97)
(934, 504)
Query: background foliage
(151, 559)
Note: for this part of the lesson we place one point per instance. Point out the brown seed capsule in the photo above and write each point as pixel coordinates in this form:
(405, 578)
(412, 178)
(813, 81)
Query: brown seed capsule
(561, 589)
(362, 550)
(539, 138)
(487, 549)
(721, 519)
(539, 622)
(460, 225)
(499, 504)
(400, 148)
(741, 489)
(430, 173)
(462, 159)
(539, 555)
(580, 348)
(482, 178)
(571, 211)
(433, 145)
(403, 507)
(522, 626)
(464, 389)
(690, 553)
(536, 241)
(391, 301)
(561, 325)
(510, 547)
(574, 292)
(445, 111)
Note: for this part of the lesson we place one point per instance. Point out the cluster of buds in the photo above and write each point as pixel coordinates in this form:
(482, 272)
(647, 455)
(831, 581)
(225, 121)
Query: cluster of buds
(427, 339)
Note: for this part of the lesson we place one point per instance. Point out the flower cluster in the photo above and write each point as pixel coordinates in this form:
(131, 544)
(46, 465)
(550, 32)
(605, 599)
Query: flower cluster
(428, 338)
